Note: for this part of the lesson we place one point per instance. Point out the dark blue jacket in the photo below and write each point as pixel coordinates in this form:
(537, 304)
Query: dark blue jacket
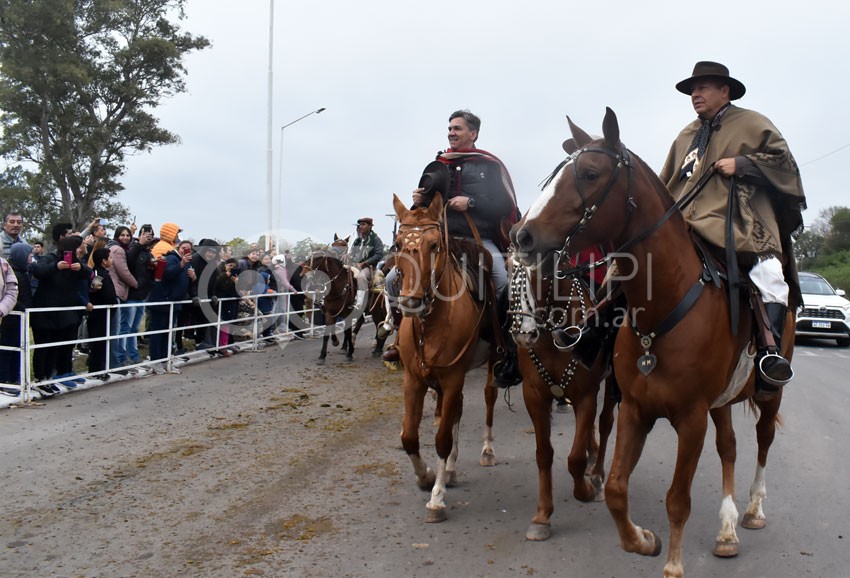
(174, 285)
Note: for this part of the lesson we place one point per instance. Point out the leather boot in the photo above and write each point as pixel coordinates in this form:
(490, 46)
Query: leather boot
(774, 370)
(391, 354)
(506, 372)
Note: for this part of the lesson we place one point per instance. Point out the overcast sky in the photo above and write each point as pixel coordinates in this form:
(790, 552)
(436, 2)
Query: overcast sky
(390, 73)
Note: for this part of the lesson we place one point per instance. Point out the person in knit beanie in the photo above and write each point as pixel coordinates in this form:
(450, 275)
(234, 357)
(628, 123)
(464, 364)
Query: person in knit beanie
(167, 239)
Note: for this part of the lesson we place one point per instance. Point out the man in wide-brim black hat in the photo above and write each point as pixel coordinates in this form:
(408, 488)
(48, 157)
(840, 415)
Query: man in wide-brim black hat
(746, 152)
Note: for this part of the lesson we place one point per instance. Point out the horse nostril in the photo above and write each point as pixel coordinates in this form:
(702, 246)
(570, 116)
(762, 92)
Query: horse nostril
(524, 240)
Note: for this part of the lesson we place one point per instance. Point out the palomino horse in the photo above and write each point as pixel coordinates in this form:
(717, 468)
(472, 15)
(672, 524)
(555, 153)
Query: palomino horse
(539, 305)
(676, 356)
(438, 342)
(334, 287)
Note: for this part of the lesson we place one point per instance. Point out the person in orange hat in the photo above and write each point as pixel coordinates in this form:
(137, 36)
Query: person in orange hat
(168, 235)
(171, 283)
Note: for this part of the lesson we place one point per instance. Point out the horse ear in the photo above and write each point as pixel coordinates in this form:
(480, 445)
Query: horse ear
(611, 129)
(400, 208)
(336, 238)
(346, 239)
(580, 138)
(435, 209)
(569, 146)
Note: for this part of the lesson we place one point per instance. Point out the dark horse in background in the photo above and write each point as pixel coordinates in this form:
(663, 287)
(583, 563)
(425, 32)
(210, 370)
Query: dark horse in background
(374, 306)
(334, 288)
(439, 341)
(605, 194)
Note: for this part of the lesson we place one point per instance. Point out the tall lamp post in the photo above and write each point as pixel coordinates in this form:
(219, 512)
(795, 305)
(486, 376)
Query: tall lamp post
(280, 171)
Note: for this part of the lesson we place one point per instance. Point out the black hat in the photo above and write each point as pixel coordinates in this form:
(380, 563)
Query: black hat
(708, 69)
(208, 243)
(367, 220)
(435, 178)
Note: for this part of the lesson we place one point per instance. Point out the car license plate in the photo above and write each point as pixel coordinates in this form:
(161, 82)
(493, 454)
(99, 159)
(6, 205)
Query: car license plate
(821, 324)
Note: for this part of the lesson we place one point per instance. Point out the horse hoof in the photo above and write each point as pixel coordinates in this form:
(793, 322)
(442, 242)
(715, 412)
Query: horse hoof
(320, 361)
(427, 483)
(391, 365)
(349, 358)
(656, 546)
(488, 458)
(538, 532)
(726, 549)
(752, 522)
(435, 515)
(598, 489)
(334, 340)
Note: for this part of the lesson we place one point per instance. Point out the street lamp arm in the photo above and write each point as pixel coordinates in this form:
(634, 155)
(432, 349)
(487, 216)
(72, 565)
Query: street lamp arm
(280, 172)
(317, 111)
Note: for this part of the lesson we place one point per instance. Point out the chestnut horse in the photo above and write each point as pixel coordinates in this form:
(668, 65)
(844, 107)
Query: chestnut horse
(539, 305)
(676, 356)
(438, 342)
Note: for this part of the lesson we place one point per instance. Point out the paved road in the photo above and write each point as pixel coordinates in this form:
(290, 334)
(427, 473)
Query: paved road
(266, 465)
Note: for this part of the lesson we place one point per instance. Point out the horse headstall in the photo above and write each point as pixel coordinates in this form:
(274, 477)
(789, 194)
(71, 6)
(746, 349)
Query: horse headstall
(621, 159)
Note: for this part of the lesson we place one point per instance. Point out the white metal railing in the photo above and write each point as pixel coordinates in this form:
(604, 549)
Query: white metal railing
(279, 317)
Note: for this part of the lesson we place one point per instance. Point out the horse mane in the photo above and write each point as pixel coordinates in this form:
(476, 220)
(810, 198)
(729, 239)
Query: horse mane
(324, 254)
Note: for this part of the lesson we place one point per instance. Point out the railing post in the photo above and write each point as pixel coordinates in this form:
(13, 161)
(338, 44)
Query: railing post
(169, 359)
(26, 366)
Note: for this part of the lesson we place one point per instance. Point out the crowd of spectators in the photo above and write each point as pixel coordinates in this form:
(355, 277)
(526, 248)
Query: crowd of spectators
(80, 270)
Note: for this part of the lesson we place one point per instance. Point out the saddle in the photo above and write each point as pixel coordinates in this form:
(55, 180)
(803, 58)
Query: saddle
(716, 271)
(475, 264)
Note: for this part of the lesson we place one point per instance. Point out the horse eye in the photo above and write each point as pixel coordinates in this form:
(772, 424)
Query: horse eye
(435, 246)
(589, 175)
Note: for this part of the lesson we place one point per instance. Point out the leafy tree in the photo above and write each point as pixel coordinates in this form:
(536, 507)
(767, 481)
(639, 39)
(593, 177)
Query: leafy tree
(807, 248)
(838, 238)
(24, 192)
(78, 82)
(238, 245)
(306, 246)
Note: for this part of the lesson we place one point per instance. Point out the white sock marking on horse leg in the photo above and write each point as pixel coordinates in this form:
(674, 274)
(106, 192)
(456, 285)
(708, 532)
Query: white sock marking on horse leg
(438, 493)
(420, 468)
(728, 521)
(450, 463)
(488, 441)
(758, 492)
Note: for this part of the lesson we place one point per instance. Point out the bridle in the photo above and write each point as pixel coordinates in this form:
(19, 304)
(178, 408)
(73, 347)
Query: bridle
(622, 159)
(327, 285)
(411, 237)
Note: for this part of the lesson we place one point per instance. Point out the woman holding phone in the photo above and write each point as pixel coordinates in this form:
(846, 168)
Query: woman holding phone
(59, 276)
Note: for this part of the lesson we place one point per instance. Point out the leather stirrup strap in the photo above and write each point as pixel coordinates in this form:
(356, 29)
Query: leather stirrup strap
(762, 320)
(493, 304)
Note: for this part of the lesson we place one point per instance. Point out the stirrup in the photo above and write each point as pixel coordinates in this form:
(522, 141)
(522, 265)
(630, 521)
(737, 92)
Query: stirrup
(775, 369)
(384, 329)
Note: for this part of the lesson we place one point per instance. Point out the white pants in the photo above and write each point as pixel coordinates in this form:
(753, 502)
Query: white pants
(767, 276)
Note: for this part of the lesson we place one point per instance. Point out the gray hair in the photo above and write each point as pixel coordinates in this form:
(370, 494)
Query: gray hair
(472, 121)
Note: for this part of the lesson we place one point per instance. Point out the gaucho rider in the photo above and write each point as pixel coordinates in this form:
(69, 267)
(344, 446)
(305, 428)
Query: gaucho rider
(366, 251)
(767, 196)
(478, 186)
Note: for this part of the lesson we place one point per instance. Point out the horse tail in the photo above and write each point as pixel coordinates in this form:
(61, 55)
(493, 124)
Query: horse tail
(756, 411)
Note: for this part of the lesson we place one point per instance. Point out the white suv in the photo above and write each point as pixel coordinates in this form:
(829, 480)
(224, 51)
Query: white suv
(825, 312)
